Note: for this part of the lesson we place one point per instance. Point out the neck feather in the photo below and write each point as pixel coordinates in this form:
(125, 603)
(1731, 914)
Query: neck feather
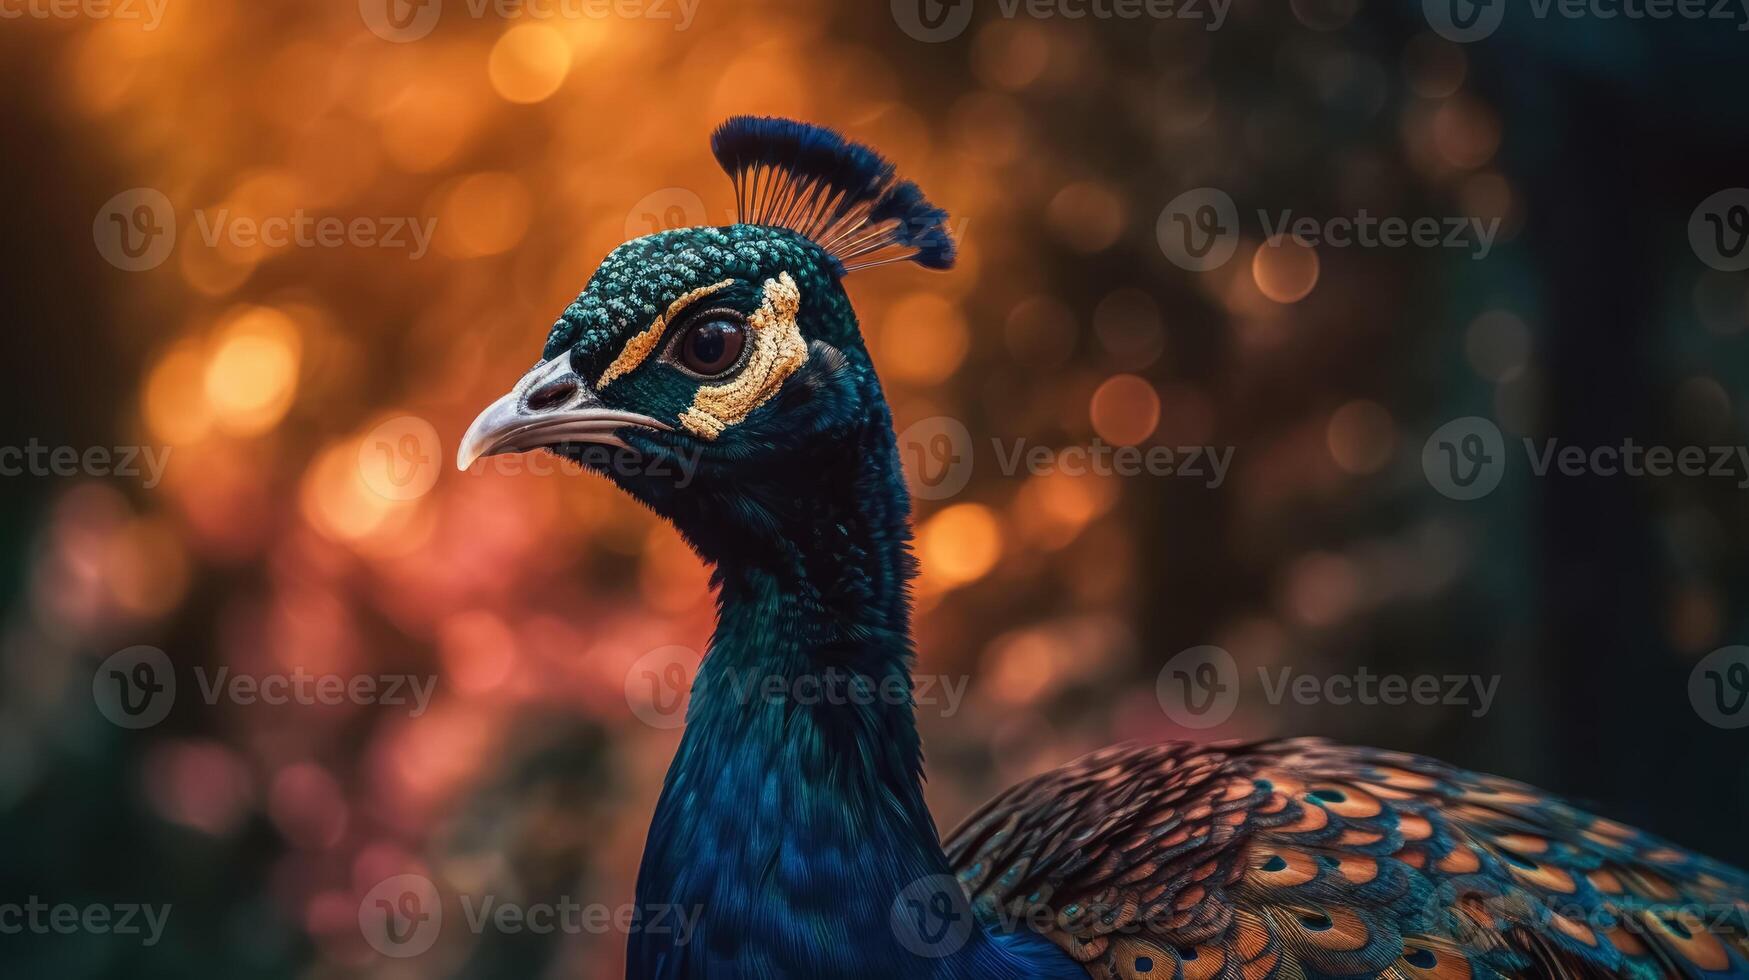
(795, 802)
(793, 814)
(793, 819)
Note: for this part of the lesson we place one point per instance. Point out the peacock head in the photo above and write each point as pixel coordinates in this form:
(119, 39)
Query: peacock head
(711, 371)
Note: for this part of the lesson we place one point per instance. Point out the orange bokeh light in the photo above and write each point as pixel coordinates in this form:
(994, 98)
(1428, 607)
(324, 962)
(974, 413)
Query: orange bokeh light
(1125, 410)
(1285, 269)
(529, 63)
(959, 545)
(252, 373)
(923, 339)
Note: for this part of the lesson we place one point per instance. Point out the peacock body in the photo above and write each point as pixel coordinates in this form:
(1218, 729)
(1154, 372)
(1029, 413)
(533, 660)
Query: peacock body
(796, 830)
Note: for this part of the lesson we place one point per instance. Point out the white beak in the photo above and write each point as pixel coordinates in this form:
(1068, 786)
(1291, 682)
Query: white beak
(549, 406)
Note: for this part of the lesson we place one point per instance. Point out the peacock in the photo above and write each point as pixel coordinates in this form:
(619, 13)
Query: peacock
(796, 830)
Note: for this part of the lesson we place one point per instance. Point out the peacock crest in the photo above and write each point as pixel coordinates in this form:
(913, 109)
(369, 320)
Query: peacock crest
(840, 195)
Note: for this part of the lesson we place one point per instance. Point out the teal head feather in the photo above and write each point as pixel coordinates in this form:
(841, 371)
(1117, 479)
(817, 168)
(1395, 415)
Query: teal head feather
(707, 369)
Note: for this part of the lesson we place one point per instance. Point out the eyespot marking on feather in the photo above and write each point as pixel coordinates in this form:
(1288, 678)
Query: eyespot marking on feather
(638, 349)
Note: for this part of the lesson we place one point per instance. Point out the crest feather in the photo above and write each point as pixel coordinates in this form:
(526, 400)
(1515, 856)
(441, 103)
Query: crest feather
(839, 194)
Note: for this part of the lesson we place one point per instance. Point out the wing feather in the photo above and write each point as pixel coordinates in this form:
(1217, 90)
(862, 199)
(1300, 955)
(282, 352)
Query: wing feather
(1305, 859)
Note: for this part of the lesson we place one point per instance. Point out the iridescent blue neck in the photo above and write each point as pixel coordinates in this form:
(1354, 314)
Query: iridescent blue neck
(793, 817)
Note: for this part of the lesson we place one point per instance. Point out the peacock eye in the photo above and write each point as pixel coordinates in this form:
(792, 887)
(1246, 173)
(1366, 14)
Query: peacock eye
(712, 344)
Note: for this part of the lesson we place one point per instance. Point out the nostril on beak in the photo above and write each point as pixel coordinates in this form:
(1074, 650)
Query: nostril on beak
(551, 395)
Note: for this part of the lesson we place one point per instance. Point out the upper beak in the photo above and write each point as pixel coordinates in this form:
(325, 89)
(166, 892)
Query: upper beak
(548, 407)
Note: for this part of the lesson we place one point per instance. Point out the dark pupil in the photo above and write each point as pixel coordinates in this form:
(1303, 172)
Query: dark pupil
(712, 346)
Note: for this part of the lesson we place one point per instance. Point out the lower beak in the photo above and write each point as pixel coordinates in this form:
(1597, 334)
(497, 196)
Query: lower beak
(550, 406)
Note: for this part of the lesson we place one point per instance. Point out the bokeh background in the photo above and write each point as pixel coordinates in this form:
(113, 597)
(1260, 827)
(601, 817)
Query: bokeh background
(276, 375)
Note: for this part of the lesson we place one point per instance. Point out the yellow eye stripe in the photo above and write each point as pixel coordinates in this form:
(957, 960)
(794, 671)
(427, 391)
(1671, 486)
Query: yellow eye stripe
(639, 348)
(778, 350)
